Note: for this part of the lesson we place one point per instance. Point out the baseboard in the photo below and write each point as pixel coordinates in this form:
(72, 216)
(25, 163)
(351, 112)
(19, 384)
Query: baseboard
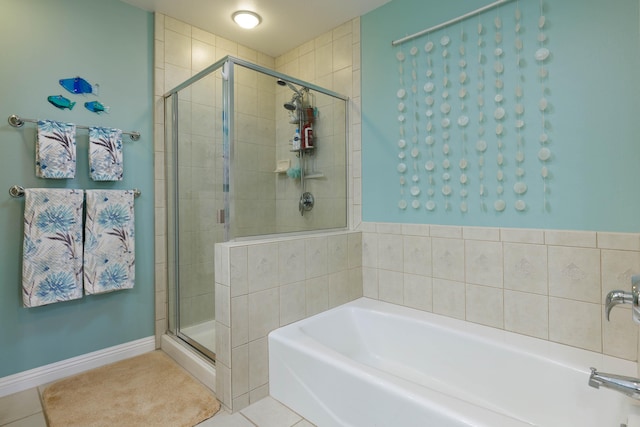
(55, 371)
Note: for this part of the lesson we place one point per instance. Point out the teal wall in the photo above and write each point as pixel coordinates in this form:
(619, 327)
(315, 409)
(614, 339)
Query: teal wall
(594, 116)
(110, 43)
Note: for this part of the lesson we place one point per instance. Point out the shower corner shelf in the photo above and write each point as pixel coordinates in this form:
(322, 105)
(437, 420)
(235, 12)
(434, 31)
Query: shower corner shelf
(314, 175)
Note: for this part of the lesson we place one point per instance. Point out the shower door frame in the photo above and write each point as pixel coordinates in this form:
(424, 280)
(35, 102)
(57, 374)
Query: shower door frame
(227, 66)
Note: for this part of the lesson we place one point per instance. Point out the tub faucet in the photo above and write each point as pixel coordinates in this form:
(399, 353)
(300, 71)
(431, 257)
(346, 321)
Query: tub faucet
(626, 385)
(621, 297)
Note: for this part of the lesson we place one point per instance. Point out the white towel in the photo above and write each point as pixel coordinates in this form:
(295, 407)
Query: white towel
(105, 154)
(52, 249)
(55, 150)
(109, 247)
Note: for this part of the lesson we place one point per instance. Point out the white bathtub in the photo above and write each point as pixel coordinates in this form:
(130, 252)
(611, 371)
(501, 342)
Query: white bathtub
(369, 363)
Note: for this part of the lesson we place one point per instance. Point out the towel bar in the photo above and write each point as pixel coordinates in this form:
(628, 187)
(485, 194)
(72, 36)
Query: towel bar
(17, 122)
(18, 191)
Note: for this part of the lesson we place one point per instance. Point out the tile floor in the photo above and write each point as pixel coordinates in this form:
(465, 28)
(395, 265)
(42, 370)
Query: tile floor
(24, 410)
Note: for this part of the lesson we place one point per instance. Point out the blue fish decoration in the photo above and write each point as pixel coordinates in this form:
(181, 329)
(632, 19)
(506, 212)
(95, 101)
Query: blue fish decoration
(79, 85)
(96, 107)
(61, 102)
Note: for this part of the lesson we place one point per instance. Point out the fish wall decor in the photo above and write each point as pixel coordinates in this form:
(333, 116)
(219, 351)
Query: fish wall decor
(96, 107)
(79, 85)
(61, 102)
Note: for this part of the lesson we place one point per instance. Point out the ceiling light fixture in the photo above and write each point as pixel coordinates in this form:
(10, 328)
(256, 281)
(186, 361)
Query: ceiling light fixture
(246, 19)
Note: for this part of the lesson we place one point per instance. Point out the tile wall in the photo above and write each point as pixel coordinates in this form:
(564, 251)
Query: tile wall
(331, 61)
(262, 285)
(547, 284)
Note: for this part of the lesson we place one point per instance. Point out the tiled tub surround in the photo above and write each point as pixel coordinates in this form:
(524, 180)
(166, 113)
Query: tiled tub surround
(547, 284)
(262, 285)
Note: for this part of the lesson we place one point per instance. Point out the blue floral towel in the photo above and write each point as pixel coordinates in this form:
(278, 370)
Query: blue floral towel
(109, 251)
(105, 154)
(52, 249)
(55, 150)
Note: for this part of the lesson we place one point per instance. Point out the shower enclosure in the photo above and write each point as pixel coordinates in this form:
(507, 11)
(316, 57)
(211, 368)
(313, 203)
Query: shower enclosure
(250, 152)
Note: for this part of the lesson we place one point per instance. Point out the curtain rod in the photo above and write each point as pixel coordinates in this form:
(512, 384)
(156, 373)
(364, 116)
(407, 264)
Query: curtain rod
(450, 22)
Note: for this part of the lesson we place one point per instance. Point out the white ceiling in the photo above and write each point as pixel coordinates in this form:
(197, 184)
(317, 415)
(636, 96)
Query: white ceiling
(285, 23)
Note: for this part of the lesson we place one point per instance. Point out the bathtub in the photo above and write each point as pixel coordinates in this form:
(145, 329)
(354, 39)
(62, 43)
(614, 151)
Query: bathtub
(372, 364)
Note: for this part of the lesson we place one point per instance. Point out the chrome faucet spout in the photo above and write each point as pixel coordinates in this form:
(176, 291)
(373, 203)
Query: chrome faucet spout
(626, 385)
(621, 297)
(617, 297)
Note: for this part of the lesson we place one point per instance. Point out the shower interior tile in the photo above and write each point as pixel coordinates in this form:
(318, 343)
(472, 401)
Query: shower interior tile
(203, 36)
(202, 55)
(176, 25)
(177, 49)
(173, 76)
(324, 60)
(342, 54)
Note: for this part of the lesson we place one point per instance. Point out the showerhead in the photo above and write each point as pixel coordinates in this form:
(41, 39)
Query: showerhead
(291, 106)
(292, 87)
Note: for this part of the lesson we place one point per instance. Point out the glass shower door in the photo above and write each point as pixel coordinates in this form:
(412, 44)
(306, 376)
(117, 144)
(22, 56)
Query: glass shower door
(196, 212)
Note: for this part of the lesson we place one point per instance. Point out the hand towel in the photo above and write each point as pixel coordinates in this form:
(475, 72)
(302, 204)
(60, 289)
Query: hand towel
(55, 150)
(52, 249)
(105, 154)
(109, 250)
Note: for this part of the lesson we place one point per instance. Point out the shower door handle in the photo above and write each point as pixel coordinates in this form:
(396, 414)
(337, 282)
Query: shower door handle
(220, 217)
